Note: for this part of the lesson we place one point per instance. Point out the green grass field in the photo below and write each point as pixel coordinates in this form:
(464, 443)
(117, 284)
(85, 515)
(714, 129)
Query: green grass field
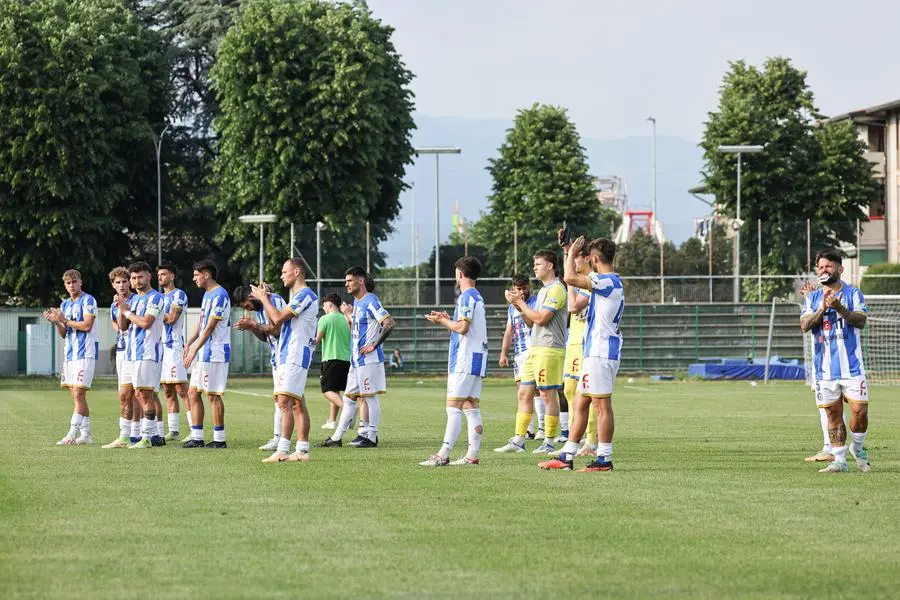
(710, 498)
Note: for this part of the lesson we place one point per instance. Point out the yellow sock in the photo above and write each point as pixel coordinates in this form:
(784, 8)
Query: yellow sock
(591, 433)
(551, 426)
(522, 422)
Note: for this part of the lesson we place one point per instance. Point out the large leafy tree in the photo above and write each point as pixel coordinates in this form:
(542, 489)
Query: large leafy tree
(807, 171)
(540, 179)
(315, 126)
(82, 85)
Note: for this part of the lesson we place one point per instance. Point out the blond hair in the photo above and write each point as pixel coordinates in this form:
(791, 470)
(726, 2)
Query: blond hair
(72, 274)
(118, 273)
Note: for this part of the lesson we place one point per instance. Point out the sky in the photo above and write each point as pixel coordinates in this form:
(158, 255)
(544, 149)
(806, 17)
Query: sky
(612, 64)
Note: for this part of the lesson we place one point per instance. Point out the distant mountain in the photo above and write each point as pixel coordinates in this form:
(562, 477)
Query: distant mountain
(465, 180)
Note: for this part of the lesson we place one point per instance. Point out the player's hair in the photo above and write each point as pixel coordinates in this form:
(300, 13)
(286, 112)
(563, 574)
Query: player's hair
(168, 267)
(72, 274)
(605, 248)
(584, 249)
(208, 266)
(834, 256)
(357, 271)
(333, 298)
(139, 267)
(370, 283)
(470, 267)
(548, 255)
(118, 272)
(520, 280)
(298, 263)
(241, 294)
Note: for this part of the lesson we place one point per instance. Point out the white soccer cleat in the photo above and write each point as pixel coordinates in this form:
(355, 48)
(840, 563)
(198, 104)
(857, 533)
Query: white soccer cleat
(84, 439)
(435, 461)
(66, 441)
(464, 461)
(117, 443)
(862, 459)
(587, 450)
(270, 446)
(277, 457)
(330, 425)
(545, 448)
(835, 467)
(510, 446)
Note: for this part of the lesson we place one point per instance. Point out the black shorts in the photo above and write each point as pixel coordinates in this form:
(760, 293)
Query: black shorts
(334, 375)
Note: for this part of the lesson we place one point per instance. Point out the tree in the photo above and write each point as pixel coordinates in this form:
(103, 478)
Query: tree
(315, 125)
(805, 172)
(82, 85)
(540, 180)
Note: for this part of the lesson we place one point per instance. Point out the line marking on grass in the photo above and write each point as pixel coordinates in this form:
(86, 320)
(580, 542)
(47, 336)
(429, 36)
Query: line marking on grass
(641, 387)
(251, 394)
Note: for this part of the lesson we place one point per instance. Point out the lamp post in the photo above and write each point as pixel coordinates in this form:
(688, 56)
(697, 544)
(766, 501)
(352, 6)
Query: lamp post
(260, 220)
(437, 151)
(157, 144)
(320, 227)
(736, 225)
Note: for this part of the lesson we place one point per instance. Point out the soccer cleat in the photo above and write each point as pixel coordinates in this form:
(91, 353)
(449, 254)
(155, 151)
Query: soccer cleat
(529, 435)
(435, 461)
(464, 461)
(821, 456)
(330, 425)
(172, 436)
(597, 465)
(142, 444)
(545, 448)
(563, 437)
(134, 439)
(121, 442)
(367, 443)
(555, 454)
(185, 439)
(66, 441)
(299, 457)
(357, 440)
(271, 445)
(157, 440)
(510, 446)
(84, 439)
(193, 444)
(540, 434)
(330, 443)
(587, 450)
(276, 457)
(556, 465)
(835, 467)
(217, 445)
(862, 458)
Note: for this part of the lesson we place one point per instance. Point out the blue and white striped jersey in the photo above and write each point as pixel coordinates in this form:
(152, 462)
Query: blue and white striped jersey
(521, 332)
(146, 344)
(216, 305)
(121, 336)
(81, 344)
(837, 351)
(262, 319)
(297, 340)
(366, 327)
(173, 333)
(468, 352)
(602, 338)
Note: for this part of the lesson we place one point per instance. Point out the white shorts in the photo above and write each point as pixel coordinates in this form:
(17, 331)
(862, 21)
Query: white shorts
(78, 373)
(366, 380)
(597, 377)
(463, 386)
(123, 370)
(853, 390)
(274, 379)
(290, 380)
(518, 363)
(173, 370)
(145, 374)
(209, 377)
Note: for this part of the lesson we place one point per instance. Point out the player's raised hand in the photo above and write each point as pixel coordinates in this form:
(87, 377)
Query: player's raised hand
(806, 288)
(512, 296)
(577, 245)
(245, 324)
(48, 314)
(346, 309)
(504, 361)
(259, 292)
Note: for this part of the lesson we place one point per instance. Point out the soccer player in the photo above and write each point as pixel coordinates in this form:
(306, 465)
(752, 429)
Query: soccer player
(174, 375)
(466, 366)
(602, 345)
(333, 332)
(262, 328)
(75, 321)
(121, 283)
(518, 335)
(835, 314)
(296, 346)
(144, 327)
(543, 368)
(210, 344)
(823, 455)
(371, 325)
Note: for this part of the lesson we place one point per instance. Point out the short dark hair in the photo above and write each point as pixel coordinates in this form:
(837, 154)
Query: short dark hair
(835, 256)
(356, 271)
(208, 266)
(470, 267)
(241, 294)
(139, 267)
(520, 280)
(298, 263)
(168, 267)
(605, 248)
(333, 298)
(548, 255)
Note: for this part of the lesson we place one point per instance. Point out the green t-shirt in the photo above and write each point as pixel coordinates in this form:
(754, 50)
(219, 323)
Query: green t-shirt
(335, 336)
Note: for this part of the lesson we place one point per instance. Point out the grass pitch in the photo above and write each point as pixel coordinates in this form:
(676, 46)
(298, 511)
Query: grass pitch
(710, 498)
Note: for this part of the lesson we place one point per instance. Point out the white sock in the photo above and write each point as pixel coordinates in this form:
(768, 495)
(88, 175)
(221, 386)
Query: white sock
(85, 426)
(475, 430)
(197, 432)
(160, 428)
(136, 429)
(604, 450)
(348, 412)
(518, 440)
(563, 421)
(363, 427)
(840, 453)
(302, 447)
(451, 432)
(148, 428)
(173, 422)
(218, 433)
(540, 410)
(187, 414)
(858, 439)
(74, 425)
(284, 445)
(276, 423)
(374, 418)
(124, 427)
(823, 421)
(569, 450)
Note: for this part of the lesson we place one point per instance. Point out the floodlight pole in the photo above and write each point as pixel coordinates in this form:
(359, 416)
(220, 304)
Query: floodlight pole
(737, 226)
(261, 220)
(319, 227)
(157, 143)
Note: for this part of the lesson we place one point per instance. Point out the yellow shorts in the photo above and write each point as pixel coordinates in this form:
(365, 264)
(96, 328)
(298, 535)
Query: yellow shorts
(544, 367)
(574, 358)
